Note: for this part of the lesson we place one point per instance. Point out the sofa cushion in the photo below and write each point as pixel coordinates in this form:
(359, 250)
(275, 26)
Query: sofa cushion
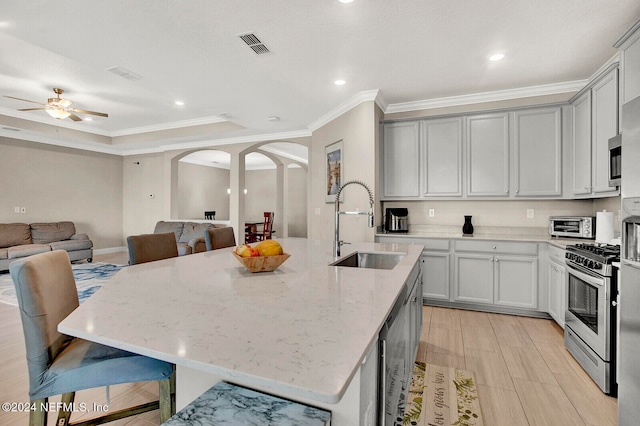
(71, 245)
(44, 233)
(183, 249)
(4, 253)
(27, 250)
(163, 227)
(193, 230)
(14, 234)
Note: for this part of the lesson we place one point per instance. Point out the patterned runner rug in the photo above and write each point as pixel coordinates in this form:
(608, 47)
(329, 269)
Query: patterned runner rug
(441, 396)
(89, 278)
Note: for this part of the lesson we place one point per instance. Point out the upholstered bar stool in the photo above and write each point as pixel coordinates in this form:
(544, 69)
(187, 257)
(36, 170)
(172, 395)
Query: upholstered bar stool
(217, 238)
(149, 247)
(61, 365)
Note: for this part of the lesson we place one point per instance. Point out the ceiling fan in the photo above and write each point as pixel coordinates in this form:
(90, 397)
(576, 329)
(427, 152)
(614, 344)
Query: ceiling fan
(58, 107)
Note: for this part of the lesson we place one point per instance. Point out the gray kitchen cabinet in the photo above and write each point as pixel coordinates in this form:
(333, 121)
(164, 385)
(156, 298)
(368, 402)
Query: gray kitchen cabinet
(537, 146)
(629, 45)
(435, 274)
(400, 159)
(595, 120)
(442, 157)
(557, 275)
(488, 155)
(500, 273)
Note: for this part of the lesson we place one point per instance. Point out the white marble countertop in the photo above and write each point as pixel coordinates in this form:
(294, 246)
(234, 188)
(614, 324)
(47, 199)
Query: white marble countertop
(300, 330)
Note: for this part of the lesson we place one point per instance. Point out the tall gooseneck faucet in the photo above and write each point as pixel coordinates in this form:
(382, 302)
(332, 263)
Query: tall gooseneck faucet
(337, 243)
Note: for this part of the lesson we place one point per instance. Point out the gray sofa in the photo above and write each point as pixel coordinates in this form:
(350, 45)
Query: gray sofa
(189, 235)
(18, 240)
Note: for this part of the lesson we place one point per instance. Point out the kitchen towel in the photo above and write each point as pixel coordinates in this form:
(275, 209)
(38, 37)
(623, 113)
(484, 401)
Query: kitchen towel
(604, 227)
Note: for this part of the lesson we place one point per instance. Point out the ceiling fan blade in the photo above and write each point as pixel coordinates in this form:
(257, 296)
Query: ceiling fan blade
(84, 111)
(25, 100)
(74, 117)
(31, 109)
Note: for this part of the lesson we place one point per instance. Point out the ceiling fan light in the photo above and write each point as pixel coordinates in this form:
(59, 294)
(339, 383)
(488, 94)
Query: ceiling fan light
(57, 113)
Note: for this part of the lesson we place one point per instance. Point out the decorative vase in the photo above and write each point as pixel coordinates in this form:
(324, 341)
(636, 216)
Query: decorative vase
(467, 228)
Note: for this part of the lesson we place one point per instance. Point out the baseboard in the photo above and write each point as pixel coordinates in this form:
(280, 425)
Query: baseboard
(109, 250)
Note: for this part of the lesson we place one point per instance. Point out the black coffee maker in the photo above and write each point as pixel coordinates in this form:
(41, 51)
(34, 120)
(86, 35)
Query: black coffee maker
(396, 220)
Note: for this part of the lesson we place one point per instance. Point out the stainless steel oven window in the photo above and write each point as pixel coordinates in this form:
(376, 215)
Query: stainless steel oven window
(583, 302)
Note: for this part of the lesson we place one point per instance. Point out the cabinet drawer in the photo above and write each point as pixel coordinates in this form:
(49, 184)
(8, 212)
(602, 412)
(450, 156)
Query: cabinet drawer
(428, 243)
(508, 247)
(556, 254)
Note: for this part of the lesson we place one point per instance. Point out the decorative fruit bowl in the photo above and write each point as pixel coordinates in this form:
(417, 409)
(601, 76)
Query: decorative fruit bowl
(262, 263)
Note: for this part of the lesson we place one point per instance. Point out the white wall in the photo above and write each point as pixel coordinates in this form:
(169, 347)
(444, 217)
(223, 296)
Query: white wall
(202, 188)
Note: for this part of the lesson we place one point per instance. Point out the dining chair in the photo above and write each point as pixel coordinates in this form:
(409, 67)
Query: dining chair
(210, 215)
(149, 247)
(217, 238)
(267, 227)
(61, 365)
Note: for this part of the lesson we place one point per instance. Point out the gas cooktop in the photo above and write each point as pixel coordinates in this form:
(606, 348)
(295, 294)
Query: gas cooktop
(593, 256)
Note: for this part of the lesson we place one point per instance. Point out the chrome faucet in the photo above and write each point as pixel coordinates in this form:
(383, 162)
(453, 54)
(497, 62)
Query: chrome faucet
(337, 243)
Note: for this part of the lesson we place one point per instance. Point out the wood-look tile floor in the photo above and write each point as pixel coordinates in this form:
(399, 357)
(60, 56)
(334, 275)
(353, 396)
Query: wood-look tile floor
(524, 374)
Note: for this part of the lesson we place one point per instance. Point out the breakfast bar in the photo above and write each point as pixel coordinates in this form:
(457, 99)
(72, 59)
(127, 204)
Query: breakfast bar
(301, 332)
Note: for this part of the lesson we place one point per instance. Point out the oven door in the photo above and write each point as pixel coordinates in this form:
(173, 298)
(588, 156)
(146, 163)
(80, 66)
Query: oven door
(588, 309)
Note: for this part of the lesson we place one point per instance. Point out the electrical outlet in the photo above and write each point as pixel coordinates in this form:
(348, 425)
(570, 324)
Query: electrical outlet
(432, 212)
(16, 209)
(530, 213)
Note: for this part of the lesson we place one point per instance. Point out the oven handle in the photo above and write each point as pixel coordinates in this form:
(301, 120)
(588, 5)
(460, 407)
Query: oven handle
(589, 278)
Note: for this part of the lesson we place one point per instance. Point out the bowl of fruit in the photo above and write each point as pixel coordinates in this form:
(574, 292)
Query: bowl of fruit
(266, 256)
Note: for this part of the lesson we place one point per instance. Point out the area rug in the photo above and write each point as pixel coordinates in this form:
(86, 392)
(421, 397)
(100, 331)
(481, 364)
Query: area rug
(441, 396)
(89, 278)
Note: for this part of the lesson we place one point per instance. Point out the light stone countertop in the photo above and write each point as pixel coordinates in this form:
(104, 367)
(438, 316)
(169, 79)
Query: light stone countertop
(301, 330)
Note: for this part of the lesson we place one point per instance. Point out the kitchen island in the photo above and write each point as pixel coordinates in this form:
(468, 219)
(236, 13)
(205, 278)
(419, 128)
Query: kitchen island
(301, 332)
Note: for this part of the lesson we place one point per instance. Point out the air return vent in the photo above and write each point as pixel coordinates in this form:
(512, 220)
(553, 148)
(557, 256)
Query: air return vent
(254, 43)
(124, 73)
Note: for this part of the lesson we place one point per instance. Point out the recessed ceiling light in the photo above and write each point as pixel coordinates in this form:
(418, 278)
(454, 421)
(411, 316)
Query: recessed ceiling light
(496, 57)
(339, 82)
(273, 118)
(179, 103)
(345, 1)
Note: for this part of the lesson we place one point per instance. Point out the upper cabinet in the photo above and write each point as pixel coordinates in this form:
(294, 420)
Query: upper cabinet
(595, 121)
(488, 155)
(400, 159)
(442, 158)
(629, 45)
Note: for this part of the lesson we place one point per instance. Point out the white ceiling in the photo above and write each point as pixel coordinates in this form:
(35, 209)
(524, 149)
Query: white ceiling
(408, 51)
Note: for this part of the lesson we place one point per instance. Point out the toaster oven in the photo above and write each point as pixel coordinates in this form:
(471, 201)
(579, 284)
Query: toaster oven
(573, 226)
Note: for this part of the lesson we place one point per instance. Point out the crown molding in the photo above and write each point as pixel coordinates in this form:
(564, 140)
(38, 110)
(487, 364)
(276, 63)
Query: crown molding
(354, 101)
(167, 126)
(500, 95)
(72, 125)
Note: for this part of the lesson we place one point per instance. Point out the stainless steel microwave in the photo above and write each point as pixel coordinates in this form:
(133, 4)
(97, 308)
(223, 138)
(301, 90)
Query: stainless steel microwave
(573, 226)
(615, 160)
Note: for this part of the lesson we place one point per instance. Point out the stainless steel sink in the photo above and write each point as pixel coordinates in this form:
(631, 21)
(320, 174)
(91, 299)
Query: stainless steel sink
(371, 260)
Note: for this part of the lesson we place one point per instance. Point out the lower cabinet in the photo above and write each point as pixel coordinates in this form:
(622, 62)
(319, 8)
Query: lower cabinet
(435, 274)
(557, 276)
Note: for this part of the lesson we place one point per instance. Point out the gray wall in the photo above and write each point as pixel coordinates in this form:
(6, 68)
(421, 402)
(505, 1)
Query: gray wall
(55, 184)
(202, 188)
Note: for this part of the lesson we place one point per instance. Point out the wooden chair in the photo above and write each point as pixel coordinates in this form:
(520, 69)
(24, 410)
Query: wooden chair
(267, 228)
(62, 365)
(210, 215)
(149, 247)
(217, 238)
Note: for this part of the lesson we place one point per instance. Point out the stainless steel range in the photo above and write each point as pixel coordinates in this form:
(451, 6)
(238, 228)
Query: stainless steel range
(590, 320)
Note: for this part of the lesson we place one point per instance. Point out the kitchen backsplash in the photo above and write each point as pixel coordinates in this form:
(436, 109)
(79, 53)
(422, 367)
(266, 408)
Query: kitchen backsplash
(507, 213)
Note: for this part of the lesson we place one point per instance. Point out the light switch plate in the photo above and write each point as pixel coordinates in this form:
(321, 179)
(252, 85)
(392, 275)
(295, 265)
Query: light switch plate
(16, 209)
(432, 212)
(530, 213)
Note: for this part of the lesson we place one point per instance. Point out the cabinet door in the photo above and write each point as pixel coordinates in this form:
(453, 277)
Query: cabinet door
(557, 276)
(516, 281)
(631, 69)
(473, 278)
(604, 98)
(435, 275)
(537, 145)
(488, 155)
(400, 159)
(442, 170)
(582, 145)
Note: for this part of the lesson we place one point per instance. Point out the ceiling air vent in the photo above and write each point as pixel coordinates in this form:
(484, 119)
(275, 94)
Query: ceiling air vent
(254, 43)
(124, 73)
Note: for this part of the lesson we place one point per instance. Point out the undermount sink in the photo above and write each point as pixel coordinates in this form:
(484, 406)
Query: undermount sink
(371, 260)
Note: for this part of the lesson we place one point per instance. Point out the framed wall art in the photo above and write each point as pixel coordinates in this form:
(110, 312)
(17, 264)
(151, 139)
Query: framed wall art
(334, 157)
